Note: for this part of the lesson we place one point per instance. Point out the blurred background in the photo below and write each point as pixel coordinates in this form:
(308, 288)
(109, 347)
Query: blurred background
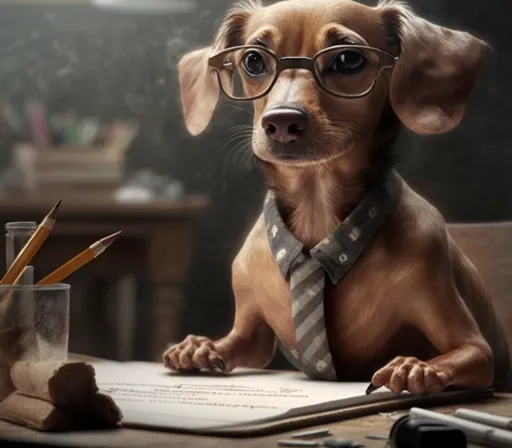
(90, 113)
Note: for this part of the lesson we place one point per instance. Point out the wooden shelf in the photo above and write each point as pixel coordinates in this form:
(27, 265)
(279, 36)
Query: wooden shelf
(102, 207)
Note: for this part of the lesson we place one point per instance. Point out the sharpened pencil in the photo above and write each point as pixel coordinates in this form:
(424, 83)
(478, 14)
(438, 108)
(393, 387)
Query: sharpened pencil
(31, 247)
(75, 263)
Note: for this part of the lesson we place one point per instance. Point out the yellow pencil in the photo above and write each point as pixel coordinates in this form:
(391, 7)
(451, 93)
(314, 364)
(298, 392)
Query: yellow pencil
(18, 278)
(84, 257)
(31, 247)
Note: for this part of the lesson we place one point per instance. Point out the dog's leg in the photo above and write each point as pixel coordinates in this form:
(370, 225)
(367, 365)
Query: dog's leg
(465, 359)
(234, 350)
(251, 342)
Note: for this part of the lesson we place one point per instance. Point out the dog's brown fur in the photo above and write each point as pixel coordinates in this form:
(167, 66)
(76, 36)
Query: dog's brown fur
(412, 314)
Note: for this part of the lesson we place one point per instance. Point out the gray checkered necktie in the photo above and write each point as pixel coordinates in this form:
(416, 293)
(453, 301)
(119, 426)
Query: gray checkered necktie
(307, 282)
(334, 256)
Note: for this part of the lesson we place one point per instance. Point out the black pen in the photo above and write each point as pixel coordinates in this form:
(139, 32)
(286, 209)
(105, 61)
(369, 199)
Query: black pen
(371, 388)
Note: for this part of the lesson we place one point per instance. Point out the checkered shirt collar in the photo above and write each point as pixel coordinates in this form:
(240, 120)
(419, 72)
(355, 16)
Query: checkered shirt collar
(339, 251)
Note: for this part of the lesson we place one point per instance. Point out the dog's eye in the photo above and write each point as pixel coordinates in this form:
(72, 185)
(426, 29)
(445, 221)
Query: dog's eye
(348, 62)
(254, 64)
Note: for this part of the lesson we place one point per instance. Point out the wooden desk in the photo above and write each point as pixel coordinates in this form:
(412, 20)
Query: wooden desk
(155, 247)
(355, 429)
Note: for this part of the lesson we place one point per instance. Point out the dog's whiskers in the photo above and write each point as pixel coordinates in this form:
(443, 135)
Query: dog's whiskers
(242, 148)
(236, 150)
(248, 155)
(238, 144)
(241, 134)
(242, 126)
(342, 137)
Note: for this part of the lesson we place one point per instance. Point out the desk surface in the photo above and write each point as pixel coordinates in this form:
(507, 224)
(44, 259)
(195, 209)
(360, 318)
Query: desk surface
(354, 429)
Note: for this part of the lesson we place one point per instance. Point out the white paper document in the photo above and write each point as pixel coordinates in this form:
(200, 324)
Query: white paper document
(150, 395)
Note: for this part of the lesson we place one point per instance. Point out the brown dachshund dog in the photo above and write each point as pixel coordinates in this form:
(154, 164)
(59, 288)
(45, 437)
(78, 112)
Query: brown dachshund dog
(412, 313)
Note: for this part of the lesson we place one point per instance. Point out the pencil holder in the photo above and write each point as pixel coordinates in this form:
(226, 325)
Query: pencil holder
(34, 322)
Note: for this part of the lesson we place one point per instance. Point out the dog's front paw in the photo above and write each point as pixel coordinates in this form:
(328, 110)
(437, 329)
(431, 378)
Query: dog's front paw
(194, 353)
(412, 375)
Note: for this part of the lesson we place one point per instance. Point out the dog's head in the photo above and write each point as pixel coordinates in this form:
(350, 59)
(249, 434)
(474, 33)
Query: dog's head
(314, 103)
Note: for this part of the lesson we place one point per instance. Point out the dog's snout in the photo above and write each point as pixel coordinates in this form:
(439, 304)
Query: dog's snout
(285, 124)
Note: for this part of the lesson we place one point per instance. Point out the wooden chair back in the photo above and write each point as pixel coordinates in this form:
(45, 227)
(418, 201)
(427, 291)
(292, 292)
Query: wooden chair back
(489, 247)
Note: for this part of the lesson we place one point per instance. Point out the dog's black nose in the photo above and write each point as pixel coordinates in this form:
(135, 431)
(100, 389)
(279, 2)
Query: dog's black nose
(285, 124)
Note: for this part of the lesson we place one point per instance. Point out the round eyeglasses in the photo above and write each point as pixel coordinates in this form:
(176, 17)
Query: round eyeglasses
(345, 71)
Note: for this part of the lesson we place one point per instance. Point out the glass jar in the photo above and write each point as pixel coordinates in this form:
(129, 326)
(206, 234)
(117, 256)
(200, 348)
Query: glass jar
(16, 236)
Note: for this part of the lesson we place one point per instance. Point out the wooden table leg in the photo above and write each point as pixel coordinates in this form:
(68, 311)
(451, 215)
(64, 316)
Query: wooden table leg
(167, 305)
(126, 317)
(168, 261)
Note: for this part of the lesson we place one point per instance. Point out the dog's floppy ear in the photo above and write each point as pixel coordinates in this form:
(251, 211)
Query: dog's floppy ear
(198, 82)
(432, 81)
